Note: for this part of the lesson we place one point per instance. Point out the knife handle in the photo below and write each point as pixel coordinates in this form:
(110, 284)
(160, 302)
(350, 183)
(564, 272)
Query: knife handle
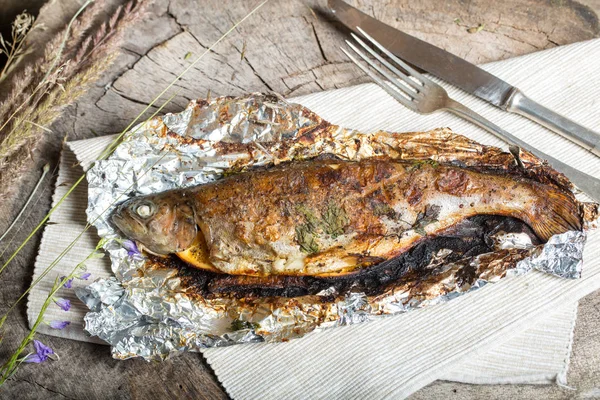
(587, 183)
(523, 105)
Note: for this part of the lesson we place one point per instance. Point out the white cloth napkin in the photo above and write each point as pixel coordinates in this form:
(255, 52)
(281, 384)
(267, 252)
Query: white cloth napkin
(516, 331)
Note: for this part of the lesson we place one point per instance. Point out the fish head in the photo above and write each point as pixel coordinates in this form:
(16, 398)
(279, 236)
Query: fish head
(162, 223)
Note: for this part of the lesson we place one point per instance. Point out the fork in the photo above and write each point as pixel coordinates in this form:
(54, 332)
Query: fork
(422, 95)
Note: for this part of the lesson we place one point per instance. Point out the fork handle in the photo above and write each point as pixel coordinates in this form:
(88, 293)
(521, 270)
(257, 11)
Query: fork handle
(523, 105)
(587, 183)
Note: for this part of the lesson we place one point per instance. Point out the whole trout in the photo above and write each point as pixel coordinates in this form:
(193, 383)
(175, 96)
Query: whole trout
(331, 217)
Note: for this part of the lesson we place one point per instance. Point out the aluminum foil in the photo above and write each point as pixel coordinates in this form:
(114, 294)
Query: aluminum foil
(149, 312)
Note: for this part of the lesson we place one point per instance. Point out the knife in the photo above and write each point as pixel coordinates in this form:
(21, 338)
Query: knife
(465, 75)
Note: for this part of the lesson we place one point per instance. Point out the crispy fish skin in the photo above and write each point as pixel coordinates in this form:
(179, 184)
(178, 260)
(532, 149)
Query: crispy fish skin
(333, 217)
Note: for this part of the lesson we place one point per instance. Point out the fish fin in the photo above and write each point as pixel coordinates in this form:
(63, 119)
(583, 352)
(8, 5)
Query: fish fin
(556, 212)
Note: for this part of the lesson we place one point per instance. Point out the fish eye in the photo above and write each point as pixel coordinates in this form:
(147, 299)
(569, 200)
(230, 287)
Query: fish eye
(144, 210)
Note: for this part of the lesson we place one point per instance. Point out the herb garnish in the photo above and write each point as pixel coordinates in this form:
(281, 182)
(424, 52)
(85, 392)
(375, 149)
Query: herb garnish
(311, 219)
(332, 222)
(306, 239)
(426, 217)
(418, 164)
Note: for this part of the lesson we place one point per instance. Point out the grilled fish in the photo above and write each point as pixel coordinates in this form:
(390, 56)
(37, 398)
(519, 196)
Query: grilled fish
(331, 217)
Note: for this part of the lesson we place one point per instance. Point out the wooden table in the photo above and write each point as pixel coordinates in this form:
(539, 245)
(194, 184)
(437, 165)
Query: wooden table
(291, 47)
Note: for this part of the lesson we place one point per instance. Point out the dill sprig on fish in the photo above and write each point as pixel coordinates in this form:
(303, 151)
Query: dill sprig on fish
(334, 220)
(305, 236)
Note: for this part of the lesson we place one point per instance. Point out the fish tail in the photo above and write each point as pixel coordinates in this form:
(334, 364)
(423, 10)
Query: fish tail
(556, 212)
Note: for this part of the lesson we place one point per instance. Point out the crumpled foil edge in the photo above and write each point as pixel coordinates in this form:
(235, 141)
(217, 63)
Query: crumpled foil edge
(147, 314)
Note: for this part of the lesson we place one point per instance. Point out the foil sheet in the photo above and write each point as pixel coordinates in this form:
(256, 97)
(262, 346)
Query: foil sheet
(147, 312)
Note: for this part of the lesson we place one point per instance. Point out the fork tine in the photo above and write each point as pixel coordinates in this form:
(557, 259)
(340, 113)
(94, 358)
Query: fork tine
(403, 100)
(404, 65)
(391, 80)
(382, 60)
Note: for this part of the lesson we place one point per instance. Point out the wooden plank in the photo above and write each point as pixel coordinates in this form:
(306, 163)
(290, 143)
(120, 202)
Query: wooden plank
(291, 47)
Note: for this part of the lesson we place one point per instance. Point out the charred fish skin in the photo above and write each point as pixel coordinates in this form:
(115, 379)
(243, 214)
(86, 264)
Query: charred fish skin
(333, 217)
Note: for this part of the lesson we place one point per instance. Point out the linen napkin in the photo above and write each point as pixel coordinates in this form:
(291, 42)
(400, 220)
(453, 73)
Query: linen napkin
(516, 331)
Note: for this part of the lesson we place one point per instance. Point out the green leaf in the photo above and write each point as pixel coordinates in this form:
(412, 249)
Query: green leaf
(334, 220)
(311, 218)
(428, 216)
(306, 239)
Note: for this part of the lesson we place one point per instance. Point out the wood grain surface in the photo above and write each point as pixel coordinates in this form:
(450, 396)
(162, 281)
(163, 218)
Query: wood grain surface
(291, 47)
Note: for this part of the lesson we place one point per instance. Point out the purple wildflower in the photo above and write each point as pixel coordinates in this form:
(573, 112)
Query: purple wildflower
(41, 353)
(85, 276)
(63, 303)
(132, 249)
(59, 324)
(68, 284)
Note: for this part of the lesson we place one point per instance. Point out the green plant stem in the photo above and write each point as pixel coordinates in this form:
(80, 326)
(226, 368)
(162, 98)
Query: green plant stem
(200, 57)
(45, 171)
(47, 270)
(9, 368)
(74, 241)
(14, 254)
(11, 365)
(12, 239)
(73, 187)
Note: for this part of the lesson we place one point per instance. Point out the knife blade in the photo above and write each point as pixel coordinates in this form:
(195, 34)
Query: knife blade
(463, 74)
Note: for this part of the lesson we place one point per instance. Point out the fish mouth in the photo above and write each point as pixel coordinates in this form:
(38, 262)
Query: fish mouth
(124, 224)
